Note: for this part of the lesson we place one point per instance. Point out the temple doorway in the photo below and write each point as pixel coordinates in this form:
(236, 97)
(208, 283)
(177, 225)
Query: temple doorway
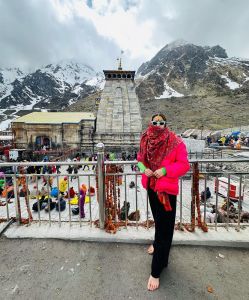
(43, 142)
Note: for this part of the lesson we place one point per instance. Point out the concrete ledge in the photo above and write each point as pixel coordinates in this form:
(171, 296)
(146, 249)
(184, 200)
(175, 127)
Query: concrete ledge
(221, 237)
(2, 226)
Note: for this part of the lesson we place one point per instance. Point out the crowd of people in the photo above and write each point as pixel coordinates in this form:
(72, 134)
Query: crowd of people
(227, 209)
(234, 141)
(44, 175)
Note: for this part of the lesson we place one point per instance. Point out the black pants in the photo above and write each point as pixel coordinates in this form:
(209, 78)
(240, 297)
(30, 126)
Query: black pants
(164, 229)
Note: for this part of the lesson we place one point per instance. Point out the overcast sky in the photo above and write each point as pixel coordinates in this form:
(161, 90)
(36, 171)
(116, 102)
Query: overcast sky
(38, 32)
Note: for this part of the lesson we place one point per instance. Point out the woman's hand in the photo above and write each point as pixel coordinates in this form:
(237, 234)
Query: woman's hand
(158, 173)
(148, 172)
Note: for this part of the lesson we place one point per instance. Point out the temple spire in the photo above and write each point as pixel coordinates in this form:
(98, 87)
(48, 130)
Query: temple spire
(120, 64)
(120, 61)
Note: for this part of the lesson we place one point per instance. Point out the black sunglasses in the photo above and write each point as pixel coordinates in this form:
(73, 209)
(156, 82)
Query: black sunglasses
(157, 123)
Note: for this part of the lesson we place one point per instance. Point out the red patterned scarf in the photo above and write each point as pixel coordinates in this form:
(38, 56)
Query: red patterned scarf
(156, 143)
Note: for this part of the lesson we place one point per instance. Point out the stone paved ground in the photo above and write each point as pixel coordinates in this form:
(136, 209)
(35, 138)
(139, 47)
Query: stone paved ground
(53, 269)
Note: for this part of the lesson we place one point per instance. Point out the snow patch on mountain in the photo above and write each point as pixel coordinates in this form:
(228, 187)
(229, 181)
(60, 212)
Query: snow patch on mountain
(246, 78)
(175, 44)
(169, 92)
(232, 61)
(77, 89)
(7, 77)
(231, 84)
(97, 81)
(139, 76)
(69, 71)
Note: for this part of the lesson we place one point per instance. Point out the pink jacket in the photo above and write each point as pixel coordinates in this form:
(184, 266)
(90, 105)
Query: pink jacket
(176, 165)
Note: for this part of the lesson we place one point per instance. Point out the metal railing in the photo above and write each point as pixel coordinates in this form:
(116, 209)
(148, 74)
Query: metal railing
(16, 202)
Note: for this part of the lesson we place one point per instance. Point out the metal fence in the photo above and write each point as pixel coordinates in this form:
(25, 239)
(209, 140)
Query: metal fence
(211, 154)
(21, 193)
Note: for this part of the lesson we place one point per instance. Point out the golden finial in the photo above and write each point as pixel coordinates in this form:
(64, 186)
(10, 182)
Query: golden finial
(120, 61)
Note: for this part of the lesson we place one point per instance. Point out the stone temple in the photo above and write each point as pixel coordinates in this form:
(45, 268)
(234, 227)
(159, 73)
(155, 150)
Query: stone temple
(119, 122)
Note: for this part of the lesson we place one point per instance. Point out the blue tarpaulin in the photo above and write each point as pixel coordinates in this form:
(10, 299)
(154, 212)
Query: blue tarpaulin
(235, 133)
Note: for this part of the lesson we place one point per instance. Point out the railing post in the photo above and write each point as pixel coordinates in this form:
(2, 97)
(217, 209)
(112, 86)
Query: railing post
(17, 200)
(101, 186)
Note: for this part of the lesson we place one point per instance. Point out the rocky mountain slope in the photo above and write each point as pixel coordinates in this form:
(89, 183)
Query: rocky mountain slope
(183, 69)
(55, 86)
(195, 86)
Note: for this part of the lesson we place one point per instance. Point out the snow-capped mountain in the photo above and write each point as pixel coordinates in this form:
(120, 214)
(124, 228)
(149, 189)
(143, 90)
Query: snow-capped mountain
(183, 69)
(196, 87)
(54, 86)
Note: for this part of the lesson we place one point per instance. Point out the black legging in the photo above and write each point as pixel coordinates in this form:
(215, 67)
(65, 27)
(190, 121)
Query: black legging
(164, 229)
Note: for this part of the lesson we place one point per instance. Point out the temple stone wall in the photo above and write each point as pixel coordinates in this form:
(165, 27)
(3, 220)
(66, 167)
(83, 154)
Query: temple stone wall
(63, 134)
(119, 110)
(119, 122)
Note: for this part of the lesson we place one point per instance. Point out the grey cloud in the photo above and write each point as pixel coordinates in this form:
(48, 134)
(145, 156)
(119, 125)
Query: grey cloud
(31, 36)
(205, 22)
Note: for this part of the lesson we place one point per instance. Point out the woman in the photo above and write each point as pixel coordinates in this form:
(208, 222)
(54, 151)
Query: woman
(162, 159)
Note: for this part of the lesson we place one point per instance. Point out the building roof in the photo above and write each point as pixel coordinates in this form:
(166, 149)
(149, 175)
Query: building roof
(54, 117)
(6, 137)
(119, 71)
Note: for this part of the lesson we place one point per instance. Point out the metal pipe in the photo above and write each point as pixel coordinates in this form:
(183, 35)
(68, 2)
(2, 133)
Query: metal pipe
(38, 201)
(6, 198)
(136, 201)
(239, 204)
(180, 202)
(228, 202)
(205, 198)
(101, 192)
(17, 202)
(59, 204)
(69, 202)
(61, 163)
(28, 199)
(78, 181)
(115, 198)
(216, 201)
(49, 202)
(6, 226)
(125, 203)
(90, 200)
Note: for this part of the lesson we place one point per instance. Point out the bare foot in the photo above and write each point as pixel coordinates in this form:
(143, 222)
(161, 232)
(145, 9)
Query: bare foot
(153, 283)
(150, 250)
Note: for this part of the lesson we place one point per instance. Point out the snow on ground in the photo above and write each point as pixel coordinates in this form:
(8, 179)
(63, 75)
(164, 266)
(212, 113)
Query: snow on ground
(5, 124)
(91, 208)
(231, 84)
(169, 92)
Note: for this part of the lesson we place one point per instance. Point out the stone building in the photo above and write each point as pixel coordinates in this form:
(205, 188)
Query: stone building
(119, 123)
(53, 129)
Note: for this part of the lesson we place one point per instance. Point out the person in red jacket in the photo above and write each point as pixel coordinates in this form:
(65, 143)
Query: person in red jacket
(162, 159)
